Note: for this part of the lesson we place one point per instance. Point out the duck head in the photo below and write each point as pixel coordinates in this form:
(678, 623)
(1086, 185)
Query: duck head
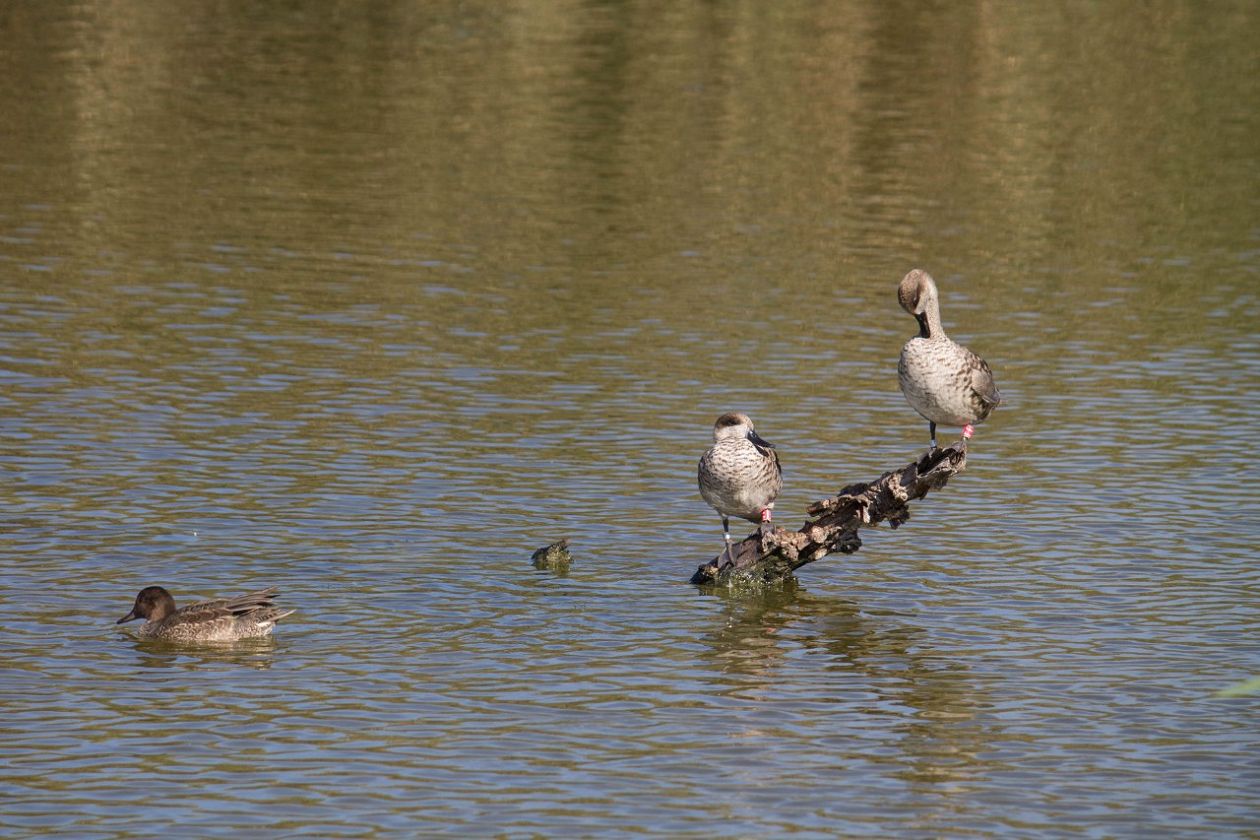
(736, 424)
(917, 295)
(153, 604)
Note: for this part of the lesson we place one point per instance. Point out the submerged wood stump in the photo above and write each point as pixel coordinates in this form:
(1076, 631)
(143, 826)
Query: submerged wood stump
(834, 523)
(555, 557)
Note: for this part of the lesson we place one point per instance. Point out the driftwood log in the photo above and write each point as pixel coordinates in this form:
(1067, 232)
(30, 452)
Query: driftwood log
(555, 557)
(834, 523)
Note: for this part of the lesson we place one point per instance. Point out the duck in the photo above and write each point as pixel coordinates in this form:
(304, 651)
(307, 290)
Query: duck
(226, 620)
(740, 474)
(943, 381)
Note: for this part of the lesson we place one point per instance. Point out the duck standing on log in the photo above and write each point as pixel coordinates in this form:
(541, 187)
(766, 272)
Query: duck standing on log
(942, 380)
(740, 474)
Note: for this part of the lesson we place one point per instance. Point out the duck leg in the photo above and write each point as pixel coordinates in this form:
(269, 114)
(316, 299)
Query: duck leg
(767, 525)
(726, 534)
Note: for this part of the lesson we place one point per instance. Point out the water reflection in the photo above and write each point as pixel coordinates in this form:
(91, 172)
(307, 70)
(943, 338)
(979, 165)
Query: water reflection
(746, 643)
(258, 654)
(372, 302)
(929, 691)
(873, 676)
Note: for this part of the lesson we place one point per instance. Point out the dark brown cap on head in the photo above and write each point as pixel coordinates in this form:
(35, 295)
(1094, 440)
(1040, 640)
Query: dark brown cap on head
(152, 603)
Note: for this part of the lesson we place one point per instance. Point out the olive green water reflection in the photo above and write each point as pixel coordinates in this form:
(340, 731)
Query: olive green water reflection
(369, 303)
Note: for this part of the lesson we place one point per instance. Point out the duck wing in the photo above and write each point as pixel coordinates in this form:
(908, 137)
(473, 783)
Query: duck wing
(223, 607)
(983, 387)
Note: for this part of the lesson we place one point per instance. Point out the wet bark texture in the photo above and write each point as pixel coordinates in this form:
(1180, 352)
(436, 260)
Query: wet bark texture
(834, 523)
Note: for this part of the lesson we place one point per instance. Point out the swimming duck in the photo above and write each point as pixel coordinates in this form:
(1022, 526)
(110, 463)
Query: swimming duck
(942, 380)
(226, 620)
(740, 474)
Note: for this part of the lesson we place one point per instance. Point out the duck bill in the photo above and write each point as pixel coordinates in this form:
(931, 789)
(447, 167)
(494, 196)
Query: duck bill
(131, 616)
(758, 440)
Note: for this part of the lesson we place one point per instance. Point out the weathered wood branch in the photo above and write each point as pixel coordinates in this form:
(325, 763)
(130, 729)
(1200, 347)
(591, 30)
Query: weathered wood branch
(555, 557)
(834, 523)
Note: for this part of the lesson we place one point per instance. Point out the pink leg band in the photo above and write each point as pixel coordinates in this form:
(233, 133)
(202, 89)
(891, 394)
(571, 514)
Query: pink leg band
(968, 431)
(766, 514)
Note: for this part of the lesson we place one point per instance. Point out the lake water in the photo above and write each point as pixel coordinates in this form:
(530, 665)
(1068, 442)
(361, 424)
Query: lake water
(370, 303)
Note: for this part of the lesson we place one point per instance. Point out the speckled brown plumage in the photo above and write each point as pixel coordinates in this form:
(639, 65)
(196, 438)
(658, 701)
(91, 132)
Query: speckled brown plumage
(740, 474)
(224, 620)
(942, 380)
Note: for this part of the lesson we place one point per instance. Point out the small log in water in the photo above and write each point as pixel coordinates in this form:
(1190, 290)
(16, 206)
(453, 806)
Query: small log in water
(554, 557)
(834, 523)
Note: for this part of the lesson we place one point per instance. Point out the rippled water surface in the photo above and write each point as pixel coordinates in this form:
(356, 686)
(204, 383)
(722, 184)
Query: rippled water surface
(368, 304)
